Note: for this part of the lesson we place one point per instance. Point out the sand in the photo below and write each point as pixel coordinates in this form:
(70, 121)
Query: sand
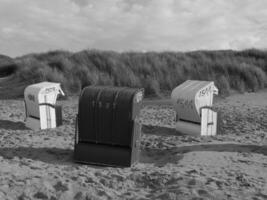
(232, 165)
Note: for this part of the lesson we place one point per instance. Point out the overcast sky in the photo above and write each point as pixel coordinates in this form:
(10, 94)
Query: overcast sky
(28, 26)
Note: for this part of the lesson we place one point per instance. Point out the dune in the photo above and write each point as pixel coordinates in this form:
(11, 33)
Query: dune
(231, 165)
(157, 72)
(7, 66)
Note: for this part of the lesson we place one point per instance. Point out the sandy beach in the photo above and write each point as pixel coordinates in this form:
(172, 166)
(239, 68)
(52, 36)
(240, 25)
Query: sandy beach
(231, 165)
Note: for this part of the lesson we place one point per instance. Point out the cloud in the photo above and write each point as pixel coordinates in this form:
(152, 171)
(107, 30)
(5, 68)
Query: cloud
(122, 25)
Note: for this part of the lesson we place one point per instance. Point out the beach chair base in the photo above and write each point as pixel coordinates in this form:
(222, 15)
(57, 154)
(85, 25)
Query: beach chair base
(99, 154)
(207, 127)
(33, 123)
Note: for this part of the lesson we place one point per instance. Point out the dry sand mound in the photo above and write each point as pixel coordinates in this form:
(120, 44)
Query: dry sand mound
(233, 165)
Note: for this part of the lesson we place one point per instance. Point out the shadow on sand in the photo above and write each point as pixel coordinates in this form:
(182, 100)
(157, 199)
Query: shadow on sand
(47, 155)
(160, 131)
(161, 157)
(11, 125)
(55, 156)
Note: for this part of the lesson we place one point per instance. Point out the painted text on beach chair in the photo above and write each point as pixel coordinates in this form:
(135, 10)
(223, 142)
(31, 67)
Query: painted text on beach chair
(40, 103)
(193, 101)
(108, 130)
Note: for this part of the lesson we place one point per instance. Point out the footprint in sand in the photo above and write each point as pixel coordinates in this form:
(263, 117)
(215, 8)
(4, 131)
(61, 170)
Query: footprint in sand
(203, 192)
(192, 182)
(40, 195)
(60, 187)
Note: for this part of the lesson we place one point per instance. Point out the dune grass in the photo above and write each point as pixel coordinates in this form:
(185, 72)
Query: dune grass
(156, 72)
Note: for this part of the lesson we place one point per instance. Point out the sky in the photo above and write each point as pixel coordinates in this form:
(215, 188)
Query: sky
(28, 26)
